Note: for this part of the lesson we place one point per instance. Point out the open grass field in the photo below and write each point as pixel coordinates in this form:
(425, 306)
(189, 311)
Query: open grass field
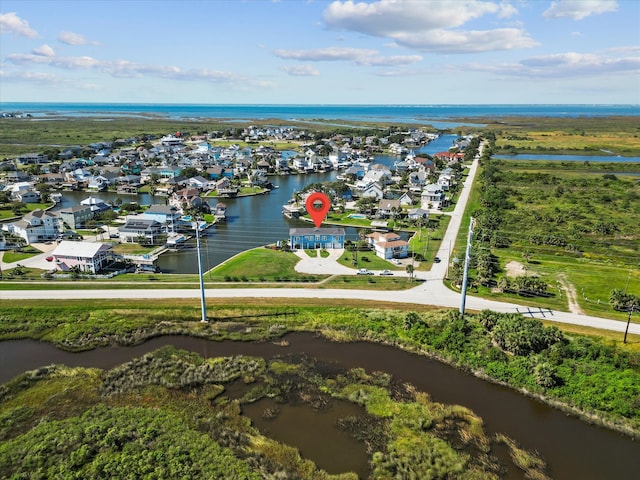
(584, 135)
(576, 228)
(261, 264)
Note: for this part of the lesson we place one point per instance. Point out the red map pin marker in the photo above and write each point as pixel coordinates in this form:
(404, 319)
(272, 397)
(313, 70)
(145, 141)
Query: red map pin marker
(318, 204)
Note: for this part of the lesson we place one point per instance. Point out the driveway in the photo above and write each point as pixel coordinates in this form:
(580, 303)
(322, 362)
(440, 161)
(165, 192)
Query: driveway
(37, 261)
(322, 266)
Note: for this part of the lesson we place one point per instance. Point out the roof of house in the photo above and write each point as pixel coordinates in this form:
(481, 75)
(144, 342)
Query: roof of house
(388, 204)
(38, 214)
(68, 248)
(316, 231)
(75, 208)
(136, 224)
(393, 244)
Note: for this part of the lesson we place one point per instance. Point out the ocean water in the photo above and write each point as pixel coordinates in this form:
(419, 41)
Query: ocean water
(428, 114)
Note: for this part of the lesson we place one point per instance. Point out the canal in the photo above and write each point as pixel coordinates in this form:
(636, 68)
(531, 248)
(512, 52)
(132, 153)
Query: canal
(573, 449)
(252, 221)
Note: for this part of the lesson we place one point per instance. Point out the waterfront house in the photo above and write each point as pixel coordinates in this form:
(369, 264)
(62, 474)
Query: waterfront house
(186, 198)
(388, 245)
(97, 205)
(25, 195)
(88, 257)
(102, 181)
(76, 217)
(168, 215)
(220, 211)
(52, 179)
(140, 230)
(311, 238)
(224, 187)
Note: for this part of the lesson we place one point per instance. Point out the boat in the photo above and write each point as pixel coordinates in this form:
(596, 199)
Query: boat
(174, 240)
(291, 211)
(56, 197)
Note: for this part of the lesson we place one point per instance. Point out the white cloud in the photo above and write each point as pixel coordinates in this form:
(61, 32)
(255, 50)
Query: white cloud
(11, 23)
(44, 50)
(358, 56)
(565, 65)
(451, 41)
(391, 61)
(579, 9)
(301, 70)
(325, 54)
(429, 25)
(127, 69)
(71, 38)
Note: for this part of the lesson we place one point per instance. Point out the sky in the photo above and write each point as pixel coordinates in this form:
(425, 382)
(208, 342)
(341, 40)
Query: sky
(418, 52)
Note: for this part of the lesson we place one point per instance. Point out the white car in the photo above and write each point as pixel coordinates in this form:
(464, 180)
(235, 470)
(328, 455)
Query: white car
(364, 271)
(386, 272)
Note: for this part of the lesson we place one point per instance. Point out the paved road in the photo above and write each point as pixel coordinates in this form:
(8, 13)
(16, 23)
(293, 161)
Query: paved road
(430, 292)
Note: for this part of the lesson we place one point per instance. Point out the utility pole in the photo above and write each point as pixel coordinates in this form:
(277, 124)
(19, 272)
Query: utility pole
(465, 276)
(626, 330)
(203, 303)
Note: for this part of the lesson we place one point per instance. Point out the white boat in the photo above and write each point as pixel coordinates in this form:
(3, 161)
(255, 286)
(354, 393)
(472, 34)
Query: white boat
(56, 197)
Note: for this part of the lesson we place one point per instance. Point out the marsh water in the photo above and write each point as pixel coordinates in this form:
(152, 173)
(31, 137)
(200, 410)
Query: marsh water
(573, 449)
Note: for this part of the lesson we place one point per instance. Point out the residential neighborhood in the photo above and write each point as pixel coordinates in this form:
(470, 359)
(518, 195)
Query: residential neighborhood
(193, 174)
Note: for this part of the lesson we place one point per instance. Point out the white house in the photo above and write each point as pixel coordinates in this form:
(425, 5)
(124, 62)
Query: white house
(432, 197)
(97, 205)
(26, 195)
(388, 245)
(373, 190)
(89, 257)
(35, 227)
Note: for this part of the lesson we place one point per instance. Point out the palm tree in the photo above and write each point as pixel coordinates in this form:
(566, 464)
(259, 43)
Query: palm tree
(409, 270)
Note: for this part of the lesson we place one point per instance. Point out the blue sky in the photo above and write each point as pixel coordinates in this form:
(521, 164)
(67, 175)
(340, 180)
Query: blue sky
(320, 52)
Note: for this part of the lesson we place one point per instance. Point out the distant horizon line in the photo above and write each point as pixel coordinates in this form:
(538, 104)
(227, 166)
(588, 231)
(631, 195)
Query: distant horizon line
(319, 104)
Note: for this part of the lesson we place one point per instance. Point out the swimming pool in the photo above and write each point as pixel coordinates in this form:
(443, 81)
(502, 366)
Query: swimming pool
(357, 215)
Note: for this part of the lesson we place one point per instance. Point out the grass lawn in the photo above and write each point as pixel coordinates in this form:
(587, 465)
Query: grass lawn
(27, 252)
(427, 241)
(369, 282)
(260, 264)
(367, 259)
(6, 213)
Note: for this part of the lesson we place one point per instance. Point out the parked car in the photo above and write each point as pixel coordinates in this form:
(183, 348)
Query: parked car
(395, 261)
(364, 271)
(386, 272)
(49, 259)
(436, 260)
